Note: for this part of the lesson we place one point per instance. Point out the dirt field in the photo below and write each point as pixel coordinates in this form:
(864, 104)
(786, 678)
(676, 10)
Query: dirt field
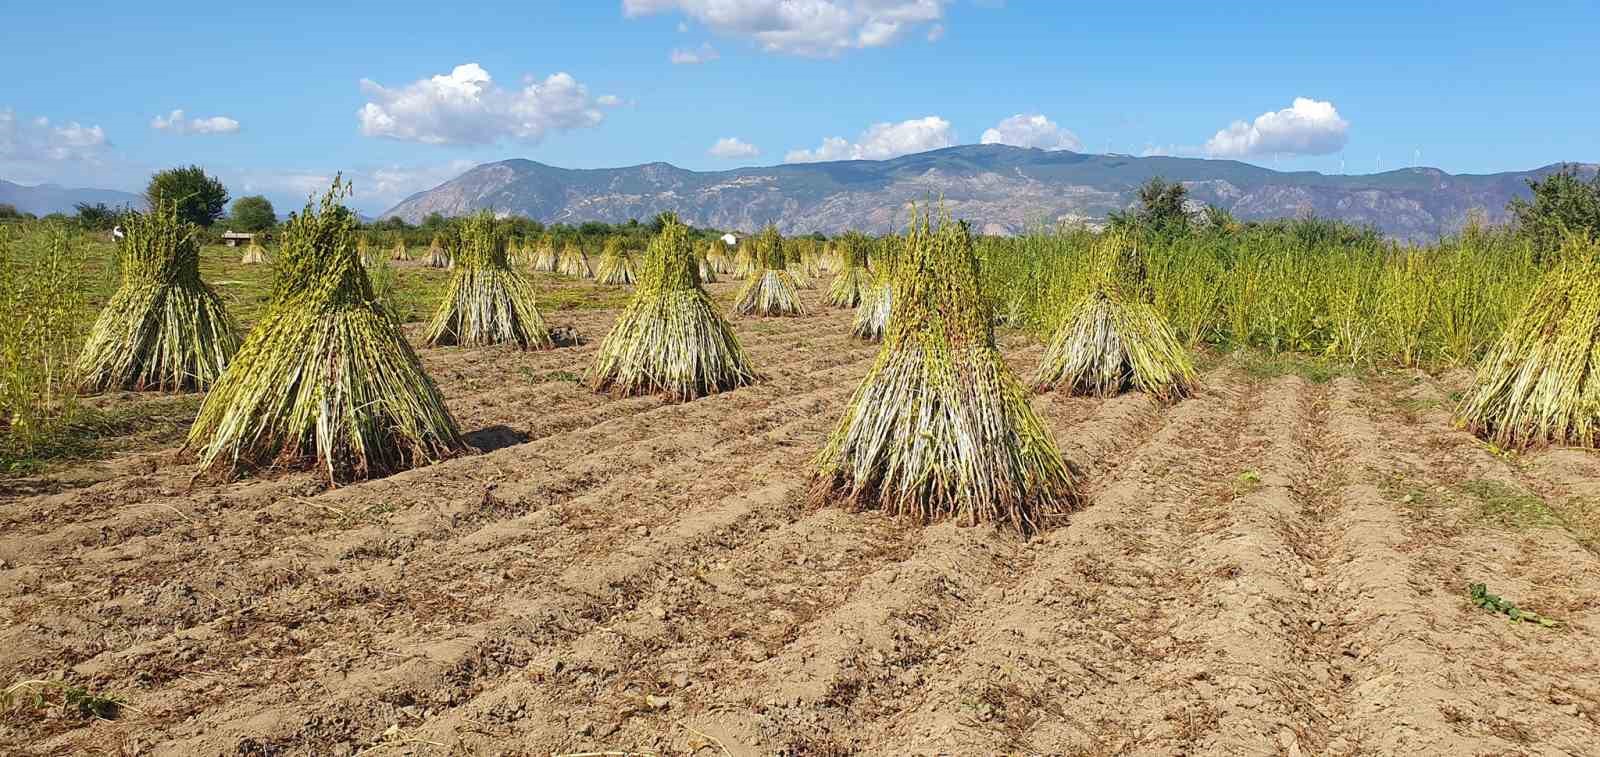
(1276, 566)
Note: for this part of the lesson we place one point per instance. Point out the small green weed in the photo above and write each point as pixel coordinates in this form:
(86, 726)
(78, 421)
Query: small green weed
(1480, 596)
(40, 693)
(1505, 506)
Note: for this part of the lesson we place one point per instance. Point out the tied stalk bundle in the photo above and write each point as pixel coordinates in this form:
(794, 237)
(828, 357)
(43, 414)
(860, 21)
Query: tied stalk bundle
(794, 256)
(940, 429)
(437, 257)
(253, 254)
(717, 256)
(164, 328)
(399, 252)
(745, 262)
(846, 288)
(670, 338)
(1112, 338)
(708, 271)
(771, 291)
(545, 259)
(574, 262)
(616, 264)
(326, 376)
(487, 301)
(877, 295)
(1540, 383)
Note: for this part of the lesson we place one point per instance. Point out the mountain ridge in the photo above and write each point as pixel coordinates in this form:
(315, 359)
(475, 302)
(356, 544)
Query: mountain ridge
(44, 199)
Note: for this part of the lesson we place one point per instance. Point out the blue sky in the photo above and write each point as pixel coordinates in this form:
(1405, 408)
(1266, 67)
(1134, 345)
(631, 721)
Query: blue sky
(273, 100)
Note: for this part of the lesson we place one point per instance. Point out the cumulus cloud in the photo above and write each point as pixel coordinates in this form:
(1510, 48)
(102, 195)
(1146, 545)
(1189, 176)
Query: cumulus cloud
(37, 139)
(881, 141)
(1308, 127)
(733, 147)
(465, 106)
(376, 188)
(176, 123)
(682, 56)
(804, 27)
(1031, 130)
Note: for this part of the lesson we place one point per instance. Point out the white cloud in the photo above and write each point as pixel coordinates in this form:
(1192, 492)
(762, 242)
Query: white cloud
(177, 124)
(1025, 130)
(733, 147)
(375, 188)
(881, 141)
(804, 27)
(35, 149)
(936, 33)
(682, 56)
(467, 107)
(1309, 127)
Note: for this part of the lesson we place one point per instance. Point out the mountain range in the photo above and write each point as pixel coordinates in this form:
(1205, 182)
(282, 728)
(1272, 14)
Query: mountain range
(45, 199)
(1001, 189)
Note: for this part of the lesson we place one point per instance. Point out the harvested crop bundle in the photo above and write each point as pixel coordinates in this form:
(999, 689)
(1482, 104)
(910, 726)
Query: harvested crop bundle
(163, 328)
(877, 296)
(616, 264)
(771, 291)
(670, 338)
(940, 429)
(845, 291)
(398, 252)
(326, 377)
(574, 262)
(1111, 338)
(1540, 383)
(254, 254)
(488, 301)
(717, 255)
(437, 257)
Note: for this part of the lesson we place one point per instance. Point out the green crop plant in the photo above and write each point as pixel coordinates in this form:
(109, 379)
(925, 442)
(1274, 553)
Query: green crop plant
(325, 377)
(771, 291)
(616, 264)
(940, 429)
(42, 309)
(487, 301)
(164, 328)
(670, 338)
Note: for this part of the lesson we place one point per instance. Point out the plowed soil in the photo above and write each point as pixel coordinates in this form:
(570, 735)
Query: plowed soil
(1275, 566)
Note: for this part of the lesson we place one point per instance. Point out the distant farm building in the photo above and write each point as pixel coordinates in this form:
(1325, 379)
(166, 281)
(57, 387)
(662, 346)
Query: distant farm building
(236, 238)
(730, 240)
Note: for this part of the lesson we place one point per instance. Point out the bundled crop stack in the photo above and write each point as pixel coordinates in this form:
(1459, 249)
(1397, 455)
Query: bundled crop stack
(437, 257)
(488, 301)
(163, 328)
(717, 256)
(670, 338)
(364, 252)
(398, 252)
(545, 259)
(745, 262)
(877, 296)
(847, 286)
(941, 429)
(254, 254)
(326, 376)
(1112, 338)
(794, 255)
(616, 263)
(708, 270)
(1540, 383)
(574, 262)
(771, 291)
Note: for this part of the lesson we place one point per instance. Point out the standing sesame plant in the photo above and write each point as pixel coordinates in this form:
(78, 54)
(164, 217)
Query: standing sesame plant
(488, 301)
(574, 262)
(845, 291)
(1540, 384)
(326, 377)
(163, 328)
(877, 297)
(670, 338)
(437, 257)
(772, 291)
(1112, 338)
(616, 264)
(940, 429)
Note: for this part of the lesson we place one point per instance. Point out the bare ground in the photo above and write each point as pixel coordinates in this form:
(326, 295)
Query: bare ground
(1272, 567)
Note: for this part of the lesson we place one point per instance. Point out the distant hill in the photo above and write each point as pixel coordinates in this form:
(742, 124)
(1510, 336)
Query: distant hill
(1002, 189)
(53, 198)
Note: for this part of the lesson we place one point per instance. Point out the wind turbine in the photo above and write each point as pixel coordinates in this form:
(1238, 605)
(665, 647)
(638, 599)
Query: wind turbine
(1416, 157)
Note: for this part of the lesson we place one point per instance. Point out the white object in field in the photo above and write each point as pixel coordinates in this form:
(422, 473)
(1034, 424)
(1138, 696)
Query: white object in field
(116, 232)
(730, 240)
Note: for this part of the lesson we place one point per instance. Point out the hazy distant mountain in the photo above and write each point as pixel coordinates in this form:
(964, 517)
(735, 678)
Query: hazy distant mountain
(1001, 189)
(53, 198)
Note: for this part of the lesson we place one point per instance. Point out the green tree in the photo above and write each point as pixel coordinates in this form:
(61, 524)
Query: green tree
(253, 213)
(200, 198)
(1561, 203)
(95, 217)
(9, 212)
